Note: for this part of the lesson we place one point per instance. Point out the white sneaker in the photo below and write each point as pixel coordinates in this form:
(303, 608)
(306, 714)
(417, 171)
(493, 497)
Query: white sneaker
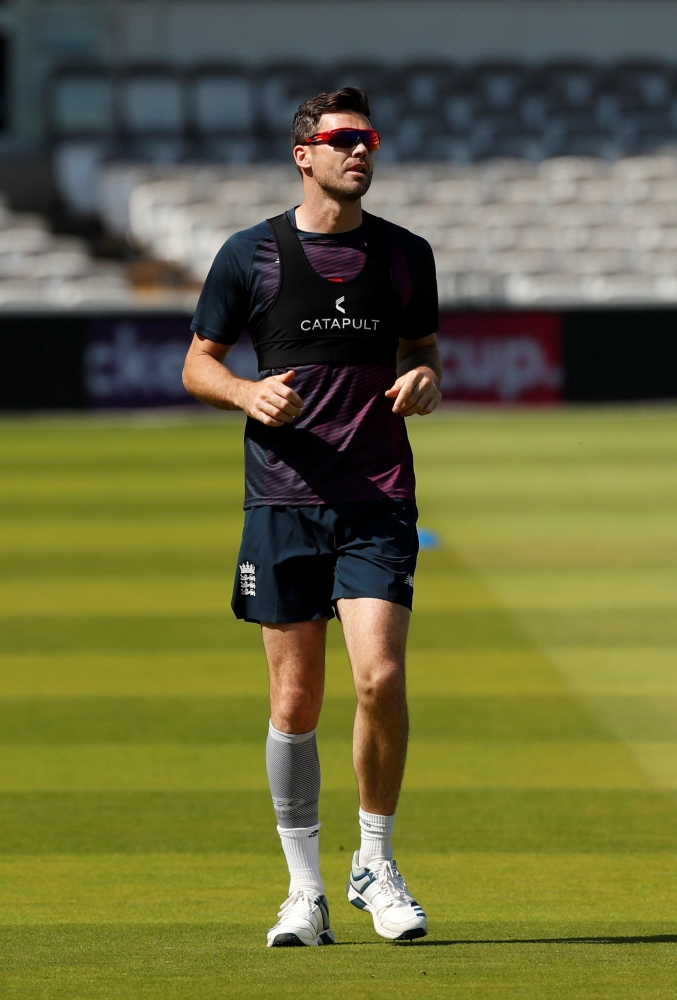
(382, 891)
(304, 920)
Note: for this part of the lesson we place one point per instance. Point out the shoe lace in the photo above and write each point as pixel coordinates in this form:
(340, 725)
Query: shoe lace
(298, 898)
(392, 883)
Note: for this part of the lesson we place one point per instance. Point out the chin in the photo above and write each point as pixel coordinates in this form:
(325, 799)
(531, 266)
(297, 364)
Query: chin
(357, 187)
(346, 188)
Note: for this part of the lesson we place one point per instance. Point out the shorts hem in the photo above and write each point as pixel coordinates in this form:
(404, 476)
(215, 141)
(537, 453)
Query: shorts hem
(290, 619)
(389, 598)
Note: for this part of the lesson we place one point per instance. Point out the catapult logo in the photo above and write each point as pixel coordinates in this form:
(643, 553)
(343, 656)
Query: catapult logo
(334, 323)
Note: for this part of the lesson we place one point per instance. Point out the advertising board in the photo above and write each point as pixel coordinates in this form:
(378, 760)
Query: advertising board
(501, 357)
(487, 358)
(136, 362)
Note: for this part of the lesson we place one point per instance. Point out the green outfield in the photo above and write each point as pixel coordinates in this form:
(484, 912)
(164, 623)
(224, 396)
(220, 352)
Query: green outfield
(538, 823)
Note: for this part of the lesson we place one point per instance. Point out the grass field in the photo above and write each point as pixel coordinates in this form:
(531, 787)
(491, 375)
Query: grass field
(538, 824)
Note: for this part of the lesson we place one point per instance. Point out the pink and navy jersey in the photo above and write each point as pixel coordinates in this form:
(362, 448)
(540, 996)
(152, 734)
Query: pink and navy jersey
(347, 445)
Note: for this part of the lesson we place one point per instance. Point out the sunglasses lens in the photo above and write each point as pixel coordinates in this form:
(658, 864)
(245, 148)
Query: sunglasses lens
(346, 138)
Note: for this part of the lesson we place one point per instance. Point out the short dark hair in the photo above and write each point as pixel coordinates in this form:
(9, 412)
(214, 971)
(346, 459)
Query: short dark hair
(308, 115)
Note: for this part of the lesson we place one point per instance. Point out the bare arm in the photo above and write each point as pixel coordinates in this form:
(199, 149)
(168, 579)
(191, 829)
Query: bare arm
(272, 400)
(419, 370)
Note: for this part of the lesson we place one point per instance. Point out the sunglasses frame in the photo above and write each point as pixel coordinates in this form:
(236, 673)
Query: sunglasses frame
(321, 137)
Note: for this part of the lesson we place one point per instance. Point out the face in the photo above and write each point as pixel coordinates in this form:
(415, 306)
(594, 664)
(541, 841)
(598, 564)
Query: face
(344, 173)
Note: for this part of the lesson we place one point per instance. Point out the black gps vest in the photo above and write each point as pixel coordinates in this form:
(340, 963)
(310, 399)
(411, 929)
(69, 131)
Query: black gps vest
(316, 321)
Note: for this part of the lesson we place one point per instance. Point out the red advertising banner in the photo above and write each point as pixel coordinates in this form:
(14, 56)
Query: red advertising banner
(501, 357)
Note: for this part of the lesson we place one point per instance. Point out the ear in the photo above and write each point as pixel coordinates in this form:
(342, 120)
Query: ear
(303, 158)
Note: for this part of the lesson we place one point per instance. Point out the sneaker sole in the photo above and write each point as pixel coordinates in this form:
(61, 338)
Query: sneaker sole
(361, 904)
(290, 940)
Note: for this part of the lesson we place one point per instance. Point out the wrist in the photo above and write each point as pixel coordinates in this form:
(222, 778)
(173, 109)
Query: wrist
(242, 396)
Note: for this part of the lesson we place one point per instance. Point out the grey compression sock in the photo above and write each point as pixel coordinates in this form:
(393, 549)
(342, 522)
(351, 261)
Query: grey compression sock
(294, 776)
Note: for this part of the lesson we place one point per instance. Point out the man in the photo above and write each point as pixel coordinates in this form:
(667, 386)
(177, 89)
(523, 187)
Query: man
(342, 310)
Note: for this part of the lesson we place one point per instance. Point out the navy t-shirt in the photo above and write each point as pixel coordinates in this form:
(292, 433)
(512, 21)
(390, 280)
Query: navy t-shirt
(351, 446)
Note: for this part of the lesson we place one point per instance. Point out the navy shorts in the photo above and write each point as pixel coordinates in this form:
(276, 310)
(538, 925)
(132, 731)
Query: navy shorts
(295, 562)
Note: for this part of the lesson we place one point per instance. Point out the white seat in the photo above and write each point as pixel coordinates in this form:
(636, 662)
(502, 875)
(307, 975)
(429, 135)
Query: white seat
(23, 294)
(95, 291)
(476, 287)
(544, 289)
(580, 214)
(648, 238)
(425, 214)
(534, 190)
(456, 190)
(500, 214)
(151, 206)
(24, 240)
(390, 191)
(645, 168)
(666, 288)
(660, 262)
(611, 238)
(631, 288)
(521, 261)
(552, 237)
(664, 190)
(595, 261)
(497, 237)
(573, 168)
(446, 289)
(460, 238)
(648, 214)
(455, 261)
(608, 190)
(434, 235)
(59, 264)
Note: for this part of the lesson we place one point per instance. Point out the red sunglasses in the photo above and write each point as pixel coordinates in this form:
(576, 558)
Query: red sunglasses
(347, 138)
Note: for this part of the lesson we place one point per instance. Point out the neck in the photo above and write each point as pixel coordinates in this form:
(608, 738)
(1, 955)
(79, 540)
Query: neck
(320, 213)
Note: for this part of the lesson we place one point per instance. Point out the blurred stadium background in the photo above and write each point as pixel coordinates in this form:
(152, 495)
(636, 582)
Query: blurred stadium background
(534, 144)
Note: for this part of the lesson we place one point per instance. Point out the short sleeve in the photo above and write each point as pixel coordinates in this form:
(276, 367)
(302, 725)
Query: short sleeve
(422, 310)
(223, 307)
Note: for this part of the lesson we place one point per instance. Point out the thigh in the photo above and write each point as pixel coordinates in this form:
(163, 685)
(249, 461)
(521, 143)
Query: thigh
(377, 548)
(375, 634)
(285, 568)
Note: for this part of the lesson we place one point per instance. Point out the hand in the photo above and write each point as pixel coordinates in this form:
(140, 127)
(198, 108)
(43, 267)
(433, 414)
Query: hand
(417, 391)
(272, 401)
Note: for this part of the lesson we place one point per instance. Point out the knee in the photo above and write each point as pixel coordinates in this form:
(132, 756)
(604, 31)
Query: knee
(296, 709)
(381, 684)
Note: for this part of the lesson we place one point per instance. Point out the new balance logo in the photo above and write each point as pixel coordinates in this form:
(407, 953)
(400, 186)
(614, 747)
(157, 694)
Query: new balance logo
(248, 579)
(338, 303)
(409, 580)
(285, 807)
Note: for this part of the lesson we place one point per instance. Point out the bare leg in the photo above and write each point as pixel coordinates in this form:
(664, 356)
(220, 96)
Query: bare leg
(296, 664)
(376, 634)
(295, 654)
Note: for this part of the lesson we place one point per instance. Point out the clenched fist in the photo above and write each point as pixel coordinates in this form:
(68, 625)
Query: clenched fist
(272, 400)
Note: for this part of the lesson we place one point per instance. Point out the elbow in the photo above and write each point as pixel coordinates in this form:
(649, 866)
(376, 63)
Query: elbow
(188, 379)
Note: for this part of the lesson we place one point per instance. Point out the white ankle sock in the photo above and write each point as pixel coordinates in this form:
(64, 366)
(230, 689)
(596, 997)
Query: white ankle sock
(302, 850)
(376, 832)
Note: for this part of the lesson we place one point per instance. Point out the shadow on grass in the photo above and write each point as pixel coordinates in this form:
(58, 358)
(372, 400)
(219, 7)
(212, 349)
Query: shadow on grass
(637, 939)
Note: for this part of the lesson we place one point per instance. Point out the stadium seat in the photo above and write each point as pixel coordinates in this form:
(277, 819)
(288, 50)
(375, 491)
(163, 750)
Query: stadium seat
(153, 113)
(82, 102)
(222, 113)
(281, 88)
